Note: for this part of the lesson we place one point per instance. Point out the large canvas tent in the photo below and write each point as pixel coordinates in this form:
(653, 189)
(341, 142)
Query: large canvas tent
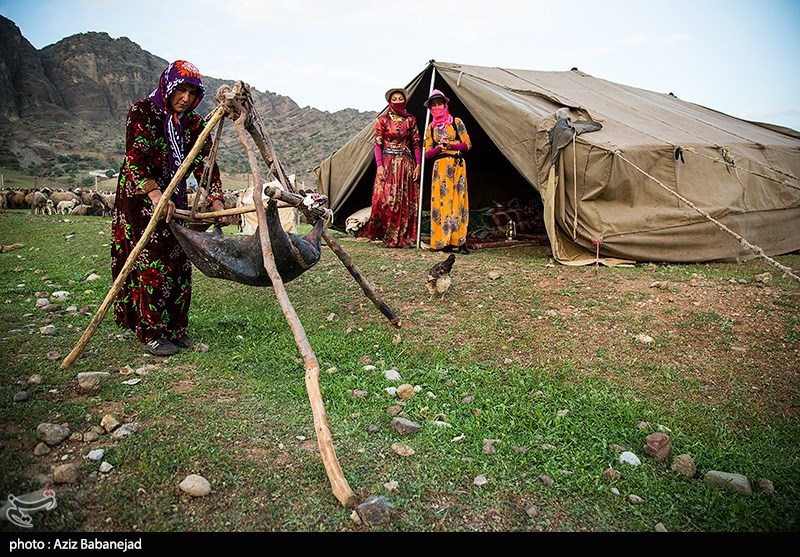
(651, 178)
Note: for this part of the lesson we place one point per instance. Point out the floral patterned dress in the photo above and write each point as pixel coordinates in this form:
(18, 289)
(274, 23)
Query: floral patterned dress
(154, 298)
(449, 199)
(394, 201)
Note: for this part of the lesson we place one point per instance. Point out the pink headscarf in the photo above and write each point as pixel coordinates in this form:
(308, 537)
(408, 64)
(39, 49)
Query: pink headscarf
(441, 114)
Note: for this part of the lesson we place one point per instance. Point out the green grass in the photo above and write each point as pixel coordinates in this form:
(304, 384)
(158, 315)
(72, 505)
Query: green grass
(238, 413)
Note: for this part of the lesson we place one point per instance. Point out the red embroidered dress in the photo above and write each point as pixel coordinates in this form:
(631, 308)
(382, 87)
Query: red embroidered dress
(394, 200)
(154, 299)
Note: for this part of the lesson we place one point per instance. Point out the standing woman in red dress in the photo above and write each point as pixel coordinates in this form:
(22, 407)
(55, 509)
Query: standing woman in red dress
(160, 130)
(395, 194)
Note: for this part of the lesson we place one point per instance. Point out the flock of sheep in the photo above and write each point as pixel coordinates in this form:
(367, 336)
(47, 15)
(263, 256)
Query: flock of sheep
(77, 201)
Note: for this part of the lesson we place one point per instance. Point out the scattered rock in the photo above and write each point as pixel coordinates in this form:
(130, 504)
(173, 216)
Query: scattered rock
(394, 410)
(402, 450)
(20, 396)
(660, 527)
(685, 466)
(109, 423)
(90, 380)
(391, 391)
(763, 485)
(614, 491)
(391, 486)
(467, 399)
(376, 510)
(480, 480)
(763, 278)
(195, 485)
(405, 391)
(370, 367)
(53, 355)
(48, 330)
(657, 445)
(546, 480)
(66, 474)
(35, 379)
(737, 482)
(634, 499)
(612, 474)
(105, 467)
(493, 275)
(96, 454)
(532, 511)
(60, 295)
(358, 393)
(644, 339)
(629, 458)
(373, 428)
(125, 431)
(90, 436)
(392, 375)
(405, 427)
(41, 449)
(76, 436)
(92, 277)
(52, 434)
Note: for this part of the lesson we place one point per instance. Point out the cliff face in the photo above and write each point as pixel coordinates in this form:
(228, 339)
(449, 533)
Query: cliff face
(72, 97)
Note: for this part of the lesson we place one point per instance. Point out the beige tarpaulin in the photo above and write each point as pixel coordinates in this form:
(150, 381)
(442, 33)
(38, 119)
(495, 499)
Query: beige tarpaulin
(290, 216)
(619, 188)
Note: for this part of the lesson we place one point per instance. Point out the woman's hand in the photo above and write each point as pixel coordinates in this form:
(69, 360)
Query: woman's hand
(220, 206)
(381, 177)
(155, 196)
(445, 143)
(415, 174)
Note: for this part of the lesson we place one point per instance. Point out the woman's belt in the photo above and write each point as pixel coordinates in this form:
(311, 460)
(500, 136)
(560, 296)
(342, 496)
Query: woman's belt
(458, 156)
(390, 151)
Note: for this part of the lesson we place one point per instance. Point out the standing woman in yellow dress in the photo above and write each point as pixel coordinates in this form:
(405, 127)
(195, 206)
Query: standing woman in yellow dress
(446, 141)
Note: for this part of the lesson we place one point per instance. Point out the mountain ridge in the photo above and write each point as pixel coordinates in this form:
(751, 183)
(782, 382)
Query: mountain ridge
(71, 98)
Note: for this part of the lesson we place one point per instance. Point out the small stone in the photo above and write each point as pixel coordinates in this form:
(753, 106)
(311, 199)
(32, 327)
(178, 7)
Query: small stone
(109, 423)
(41, 449)
(405, 391)
(105, 467)
(765, 486)
(402, 450)
(358, 393)
(92, 277)
(90, 436)
(20, 396)
(53, 355)
(612, 474)
(394, 410)
(642, 338)
(737, 482)
(660, 527)
(195, 485)
(391, 391)
(614, 491)
(370, 367)
(634, 499)
(48, 330)
(532, 511)
(493, 275)
(66, 474)
(657, 445)
(629, 458)
(375, 511)
(52, 434)
(96, 454)
(392, 375)
(125, 431)
(684, 465)
(480, 480)
(546, 480)
(404, 426)
(90, 380)
(373, 428)
(391, 486)
(35, 379)
(76, 436)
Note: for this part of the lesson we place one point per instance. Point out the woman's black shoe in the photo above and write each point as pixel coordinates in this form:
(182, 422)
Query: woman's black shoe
(463, 250)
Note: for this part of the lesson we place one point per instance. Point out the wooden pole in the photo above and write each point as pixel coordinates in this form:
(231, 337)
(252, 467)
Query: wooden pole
(218, 113)
(341, 489)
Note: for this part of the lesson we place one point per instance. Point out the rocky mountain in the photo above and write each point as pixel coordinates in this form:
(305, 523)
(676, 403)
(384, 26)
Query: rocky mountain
(70, 100)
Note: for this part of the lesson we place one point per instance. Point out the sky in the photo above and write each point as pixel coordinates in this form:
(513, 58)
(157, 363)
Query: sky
(740, 57)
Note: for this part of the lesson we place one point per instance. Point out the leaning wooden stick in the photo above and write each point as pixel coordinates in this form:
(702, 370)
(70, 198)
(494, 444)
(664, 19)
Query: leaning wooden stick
(295, 199)
(341, 489)
(218, 113)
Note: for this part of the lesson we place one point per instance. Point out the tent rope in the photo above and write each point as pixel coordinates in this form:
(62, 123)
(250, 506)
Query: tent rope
(755, 249)
(206, 177)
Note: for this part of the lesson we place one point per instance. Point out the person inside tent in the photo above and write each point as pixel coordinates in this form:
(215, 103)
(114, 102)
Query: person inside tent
(395, 193)
(160, 130)
(446, 141)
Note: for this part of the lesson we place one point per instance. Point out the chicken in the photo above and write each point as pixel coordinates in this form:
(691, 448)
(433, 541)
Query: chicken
(438, 279)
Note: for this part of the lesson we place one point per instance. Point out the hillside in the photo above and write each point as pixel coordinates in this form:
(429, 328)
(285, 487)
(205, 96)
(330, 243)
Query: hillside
(63, 108)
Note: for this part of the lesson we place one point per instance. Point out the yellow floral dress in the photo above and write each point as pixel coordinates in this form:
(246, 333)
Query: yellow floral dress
(449, 199)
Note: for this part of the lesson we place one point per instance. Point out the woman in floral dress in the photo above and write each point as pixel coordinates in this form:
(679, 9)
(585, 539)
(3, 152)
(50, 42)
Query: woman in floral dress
(446, 140)
(160, 130)
(395, 193)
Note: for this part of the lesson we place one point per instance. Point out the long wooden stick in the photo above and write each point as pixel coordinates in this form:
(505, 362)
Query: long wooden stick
(218, 113)
(341, 489)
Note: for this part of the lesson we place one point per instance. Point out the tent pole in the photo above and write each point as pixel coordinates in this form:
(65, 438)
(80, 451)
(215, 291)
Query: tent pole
(422, 165)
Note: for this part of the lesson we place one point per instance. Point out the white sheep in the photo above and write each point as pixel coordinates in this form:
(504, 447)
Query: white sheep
(64, 207)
